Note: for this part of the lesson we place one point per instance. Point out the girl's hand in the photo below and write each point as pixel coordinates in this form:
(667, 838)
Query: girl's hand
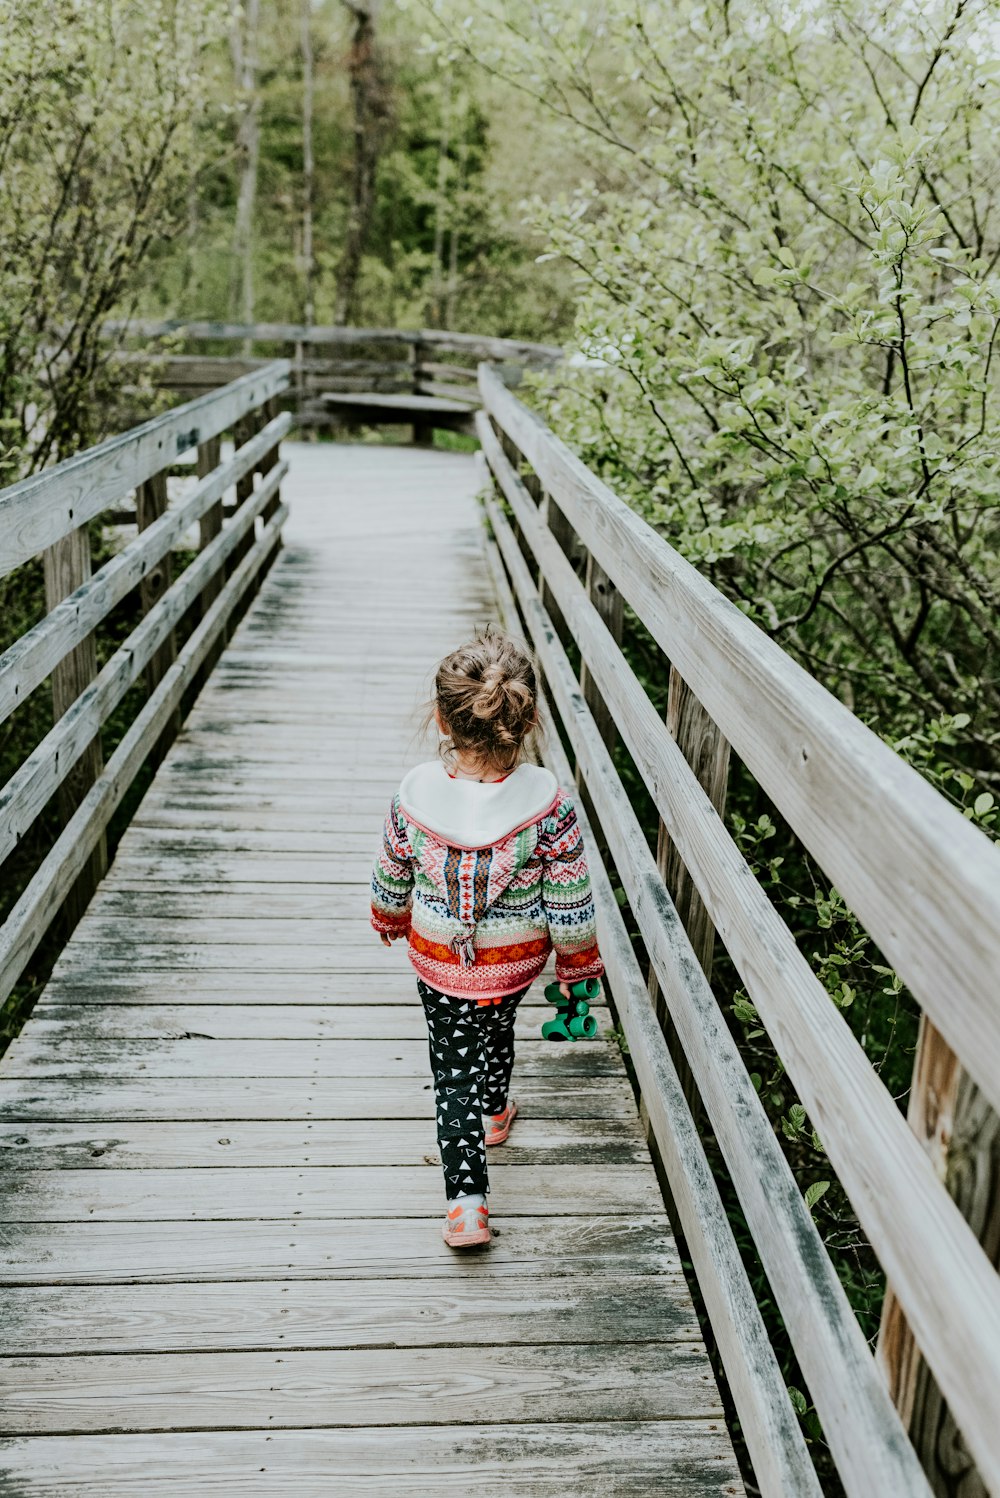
(384, 939)
(565, 990)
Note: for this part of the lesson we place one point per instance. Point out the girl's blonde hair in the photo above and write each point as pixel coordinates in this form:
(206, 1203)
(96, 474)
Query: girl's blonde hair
(486, 696)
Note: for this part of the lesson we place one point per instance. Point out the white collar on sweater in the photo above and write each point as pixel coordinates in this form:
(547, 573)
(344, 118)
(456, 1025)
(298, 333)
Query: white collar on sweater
(473, 813)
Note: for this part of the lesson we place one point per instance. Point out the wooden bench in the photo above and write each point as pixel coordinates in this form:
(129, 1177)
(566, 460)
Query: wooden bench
(423, 412)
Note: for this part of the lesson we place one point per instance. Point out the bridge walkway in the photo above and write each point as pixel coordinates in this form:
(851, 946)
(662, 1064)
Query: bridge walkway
(222, 1262)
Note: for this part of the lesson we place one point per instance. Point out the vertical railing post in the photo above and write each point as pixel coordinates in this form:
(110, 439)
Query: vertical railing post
(66, 565)
(961, 1134)
(423, 431)
(245, 428)
(608, 602)
(268, 412)
(210, 524)
(150, 504)
(707, 752)
(299, 383)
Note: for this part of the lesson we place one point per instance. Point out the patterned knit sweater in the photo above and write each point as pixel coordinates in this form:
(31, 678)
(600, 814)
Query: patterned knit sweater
(485, 880)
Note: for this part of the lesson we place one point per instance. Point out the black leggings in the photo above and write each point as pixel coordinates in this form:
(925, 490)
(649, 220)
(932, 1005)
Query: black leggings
(472, 1055)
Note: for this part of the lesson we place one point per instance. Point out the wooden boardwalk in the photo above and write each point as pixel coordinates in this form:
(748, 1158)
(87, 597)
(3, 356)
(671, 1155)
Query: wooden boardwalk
(222, 1262)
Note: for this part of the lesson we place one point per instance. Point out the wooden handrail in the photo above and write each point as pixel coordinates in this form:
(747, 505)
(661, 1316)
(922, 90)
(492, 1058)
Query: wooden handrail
(770, 1426)
(920, 877)
(861, 1424)
(35, 654)
(32, 786)
(51, 511)
(43, 897)
(334, 368)
(915, 1228)
(41, 510)
(478, 345)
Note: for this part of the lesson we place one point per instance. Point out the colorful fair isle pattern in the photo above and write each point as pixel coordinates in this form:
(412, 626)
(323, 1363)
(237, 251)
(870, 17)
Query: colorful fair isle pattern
(481, 922)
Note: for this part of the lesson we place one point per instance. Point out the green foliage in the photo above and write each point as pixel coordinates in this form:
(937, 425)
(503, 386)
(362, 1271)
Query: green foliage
(96, 109)
(787, 309)
(445, 246)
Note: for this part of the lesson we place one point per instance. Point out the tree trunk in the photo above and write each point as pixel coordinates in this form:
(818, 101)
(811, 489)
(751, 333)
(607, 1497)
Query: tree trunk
(308, 266)
(244, 42)
(440, 217)
(456, 198)
(370, 105)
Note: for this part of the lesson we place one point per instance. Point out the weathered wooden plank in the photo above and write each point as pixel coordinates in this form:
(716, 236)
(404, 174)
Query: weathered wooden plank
(349, 926)
(242, 981)
(280, 822)
(100, 1022)
(360, 954)
(401, 406)
(173, 1391)
(140, 1097)
(537, 1252)
(121, 1146)
(475, 345)
(35, 513)
(242, 868)
(314, 1191)
(157, 841)
(617, 1459)
(196, 1058)
(285, 1314)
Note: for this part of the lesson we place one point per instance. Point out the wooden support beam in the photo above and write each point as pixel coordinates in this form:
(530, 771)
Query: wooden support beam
(608, 602)
(210, 524)
(961, 1134)
(707, 752)
(245, 428)
(150, 504)
(268, 412)
(66, 566)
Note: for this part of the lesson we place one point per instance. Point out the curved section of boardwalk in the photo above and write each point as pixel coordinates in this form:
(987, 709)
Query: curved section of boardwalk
(222, 1197)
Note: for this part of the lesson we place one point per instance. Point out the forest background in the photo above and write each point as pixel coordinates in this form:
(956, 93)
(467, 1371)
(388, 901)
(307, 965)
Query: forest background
(765, 231)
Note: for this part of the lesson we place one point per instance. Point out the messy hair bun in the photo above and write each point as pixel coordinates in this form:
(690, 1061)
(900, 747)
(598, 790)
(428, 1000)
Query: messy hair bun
(486, 694)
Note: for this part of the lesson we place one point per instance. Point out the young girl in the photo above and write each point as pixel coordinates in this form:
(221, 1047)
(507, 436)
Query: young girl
(482, 866)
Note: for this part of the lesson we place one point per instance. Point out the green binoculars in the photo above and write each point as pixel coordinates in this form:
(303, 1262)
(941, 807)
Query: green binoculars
(573, 1020)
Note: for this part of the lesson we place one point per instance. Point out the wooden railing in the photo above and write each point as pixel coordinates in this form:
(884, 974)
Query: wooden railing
(339, 360)
(920, 878)
(183, 624)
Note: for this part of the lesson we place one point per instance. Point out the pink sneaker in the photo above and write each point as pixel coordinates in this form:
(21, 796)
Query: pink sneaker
(497, 1127)
(466, 1227)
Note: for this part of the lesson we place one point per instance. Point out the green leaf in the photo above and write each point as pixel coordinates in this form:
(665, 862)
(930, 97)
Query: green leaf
(798, 1399)
(983, 804)
(786, 257)
(815, 1191)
